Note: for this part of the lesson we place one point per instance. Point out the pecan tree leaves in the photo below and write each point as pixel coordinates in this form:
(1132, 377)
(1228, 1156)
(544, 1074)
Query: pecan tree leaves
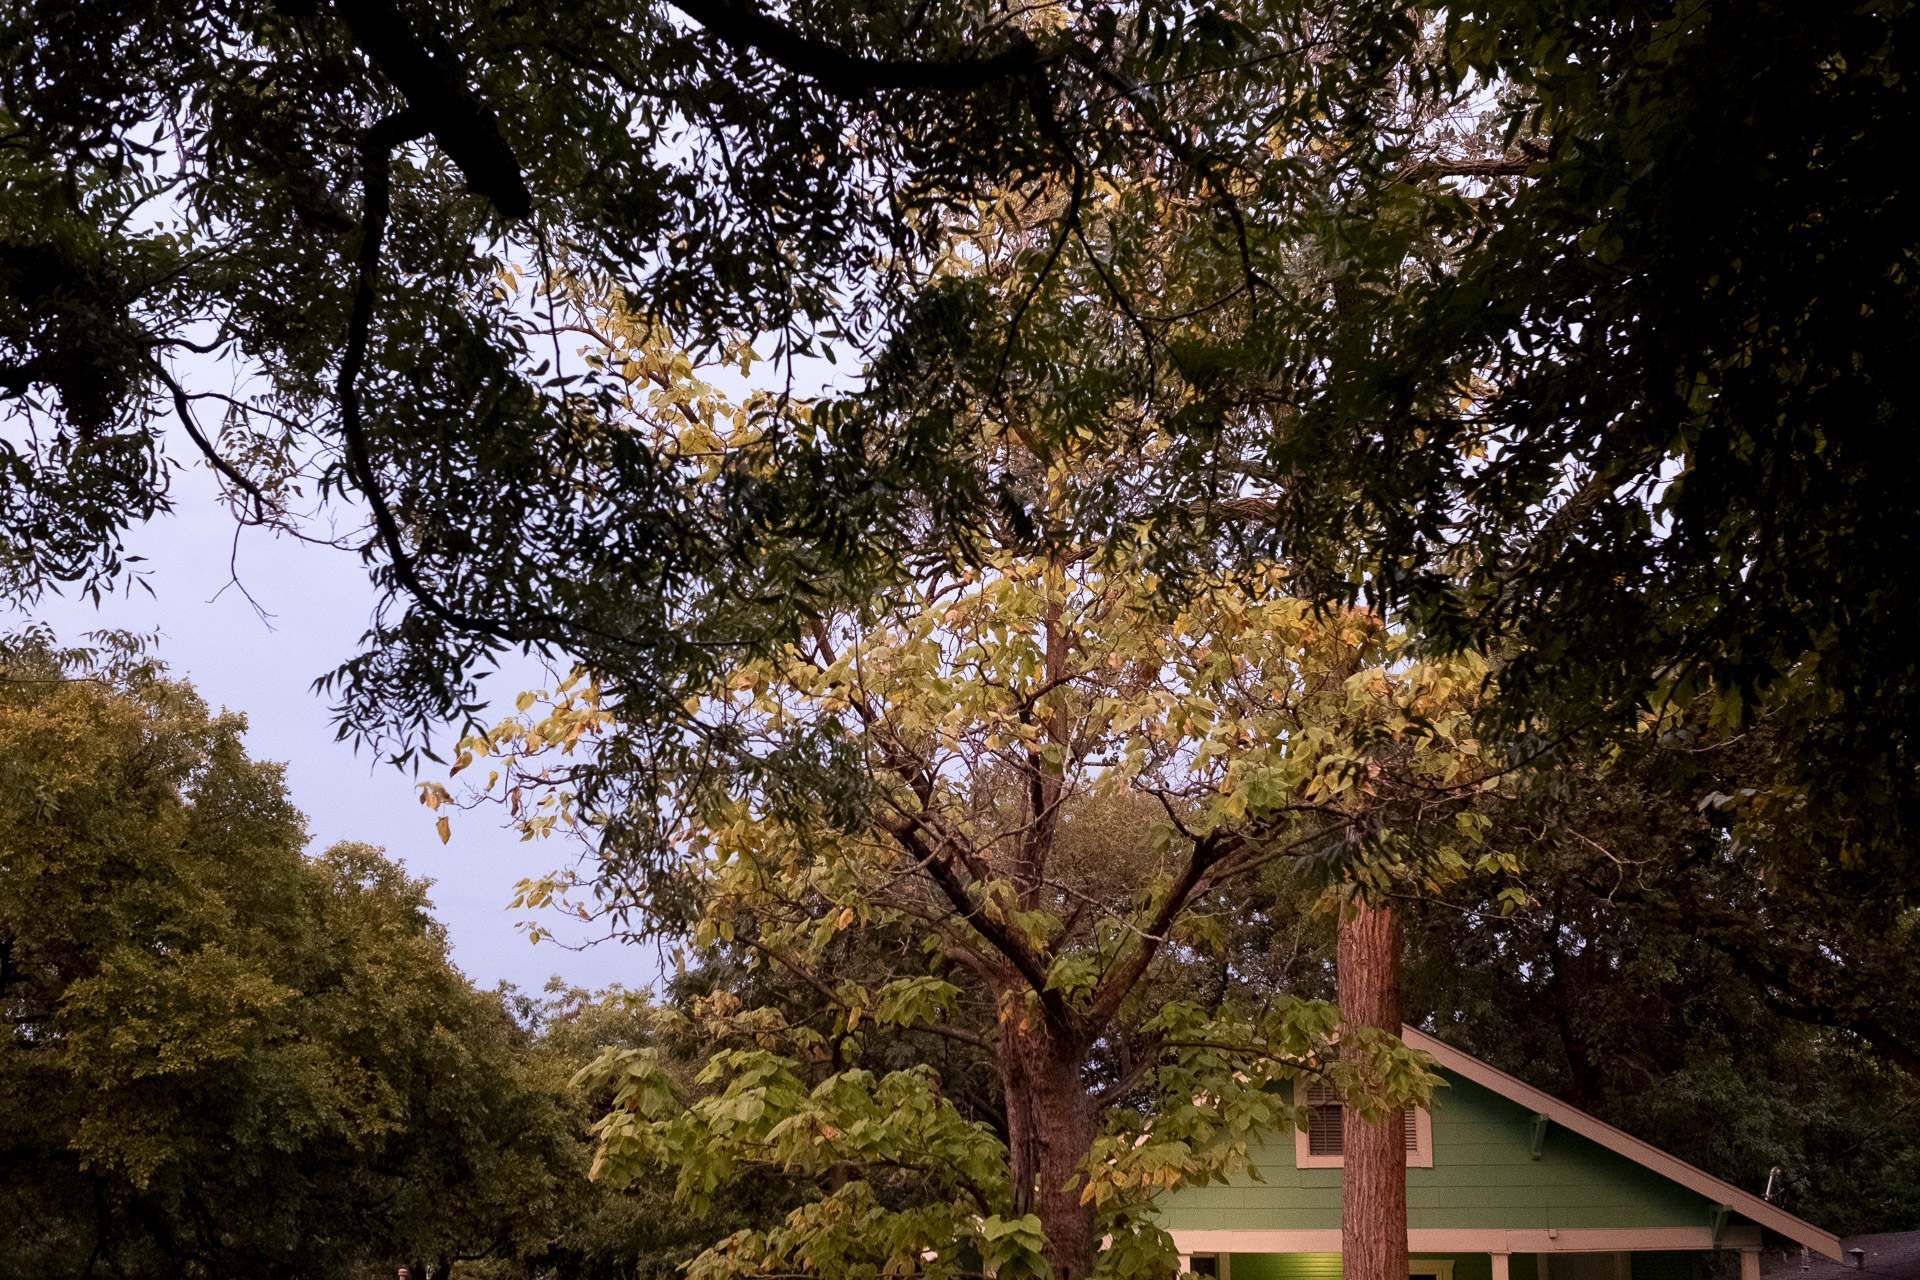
(342, 187)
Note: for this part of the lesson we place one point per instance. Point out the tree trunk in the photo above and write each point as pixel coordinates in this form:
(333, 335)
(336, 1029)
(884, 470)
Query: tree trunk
(1050, 1129)
(1373, 1206)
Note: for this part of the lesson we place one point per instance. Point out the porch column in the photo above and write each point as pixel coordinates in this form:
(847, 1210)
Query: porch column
(1749, 1264)
(1500, 1266)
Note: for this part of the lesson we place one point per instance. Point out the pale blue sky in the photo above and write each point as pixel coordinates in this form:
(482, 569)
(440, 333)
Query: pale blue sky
(320, 601)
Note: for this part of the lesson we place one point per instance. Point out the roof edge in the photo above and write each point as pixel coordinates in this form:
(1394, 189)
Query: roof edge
(1623, 1143)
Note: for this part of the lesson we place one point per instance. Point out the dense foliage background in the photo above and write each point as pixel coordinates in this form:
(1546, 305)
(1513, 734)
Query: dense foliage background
(227, 1057)
(1569, 339)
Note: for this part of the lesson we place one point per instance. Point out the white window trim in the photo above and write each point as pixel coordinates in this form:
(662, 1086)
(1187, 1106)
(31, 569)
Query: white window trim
(1421, 1157)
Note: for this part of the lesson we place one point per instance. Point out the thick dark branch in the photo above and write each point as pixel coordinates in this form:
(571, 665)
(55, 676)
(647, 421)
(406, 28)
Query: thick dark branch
(435, 88)
(843, 74)
(1137, 1071)
(1820, 995)
(1796, 976)
(1890, 1046)
(1496, 167)
(998, 935)
(1776, 991)
(376, 159)
(960, 1035)
(1252, 509)
(1211, 863)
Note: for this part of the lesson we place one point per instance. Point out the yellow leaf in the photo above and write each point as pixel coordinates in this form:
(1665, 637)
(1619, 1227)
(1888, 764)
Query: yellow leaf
(445, 829)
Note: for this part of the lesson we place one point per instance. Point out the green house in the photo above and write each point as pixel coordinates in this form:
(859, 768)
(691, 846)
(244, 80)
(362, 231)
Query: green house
(1504, 1182)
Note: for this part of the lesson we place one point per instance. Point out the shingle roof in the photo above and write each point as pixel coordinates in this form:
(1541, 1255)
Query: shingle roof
(1894, 1255)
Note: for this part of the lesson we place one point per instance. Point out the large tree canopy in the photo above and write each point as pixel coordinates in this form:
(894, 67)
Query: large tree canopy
(338, 201)
(221, 1057)
(1650, 431)
(1575, 331)
(1622, 397)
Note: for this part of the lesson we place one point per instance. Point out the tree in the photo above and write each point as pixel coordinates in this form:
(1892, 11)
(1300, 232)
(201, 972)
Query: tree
(335, 199)
(223, 1058)
(1667, 466)
(1643, 434)
(1059, 781)
(596, 1231)
(1373, 1178)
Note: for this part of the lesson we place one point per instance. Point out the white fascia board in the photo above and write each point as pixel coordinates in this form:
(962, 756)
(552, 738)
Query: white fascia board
(1476, 1240)
(1641, 1153)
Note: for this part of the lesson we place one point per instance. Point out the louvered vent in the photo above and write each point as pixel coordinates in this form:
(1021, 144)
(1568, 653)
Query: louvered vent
(1325, 1133)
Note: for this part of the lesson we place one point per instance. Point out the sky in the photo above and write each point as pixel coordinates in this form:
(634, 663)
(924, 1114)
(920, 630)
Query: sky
(318, 601)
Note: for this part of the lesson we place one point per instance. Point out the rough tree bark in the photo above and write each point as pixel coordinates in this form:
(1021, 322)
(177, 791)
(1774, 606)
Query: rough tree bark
(1373, 1205)
(1051, 1120)
(1050, 1127)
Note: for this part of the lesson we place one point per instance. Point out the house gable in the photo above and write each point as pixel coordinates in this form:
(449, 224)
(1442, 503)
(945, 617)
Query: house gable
(1484, 1176)
(1514, 1171)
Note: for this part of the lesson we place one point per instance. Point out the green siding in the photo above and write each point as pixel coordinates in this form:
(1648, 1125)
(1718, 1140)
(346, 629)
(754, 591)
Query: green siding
(1466, 1266)
(1483, 1176)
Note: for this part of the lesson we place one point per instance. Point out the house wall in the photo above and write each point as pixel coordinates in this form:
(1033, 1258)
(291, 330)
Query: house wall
(1483, 1177)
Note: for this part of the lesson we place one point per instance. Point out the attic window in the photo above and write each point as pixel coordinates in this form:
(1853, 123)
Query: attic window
(1321, 1142)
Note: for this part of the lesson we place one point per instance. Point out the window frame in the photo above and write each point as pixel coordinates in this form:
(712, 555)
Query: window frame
(1419, 1156)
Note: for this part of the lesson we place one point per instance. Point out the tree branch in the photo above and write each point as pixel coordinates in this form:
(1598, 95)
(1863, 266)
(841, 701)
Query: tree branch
(1120, 980)
(376, 154)
(1149, 111)
(846, 75)
(225, 468)
(439, 102)
(1002, 939)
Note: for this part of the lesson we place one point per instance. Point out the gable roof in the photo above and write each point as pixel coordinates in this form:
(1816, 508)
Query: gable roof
(1622, 1143)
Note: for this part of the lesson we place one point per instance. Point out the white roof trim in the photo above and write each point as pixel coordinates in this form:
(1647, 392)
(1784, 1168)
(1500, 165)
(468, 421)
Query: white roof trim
(1642, 1153)
(1471, 1239)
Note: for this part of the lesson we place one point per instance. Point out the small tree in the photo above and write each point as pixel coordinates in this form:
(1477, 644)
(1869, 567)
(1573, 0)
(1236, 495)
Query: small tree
(1057, 773)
